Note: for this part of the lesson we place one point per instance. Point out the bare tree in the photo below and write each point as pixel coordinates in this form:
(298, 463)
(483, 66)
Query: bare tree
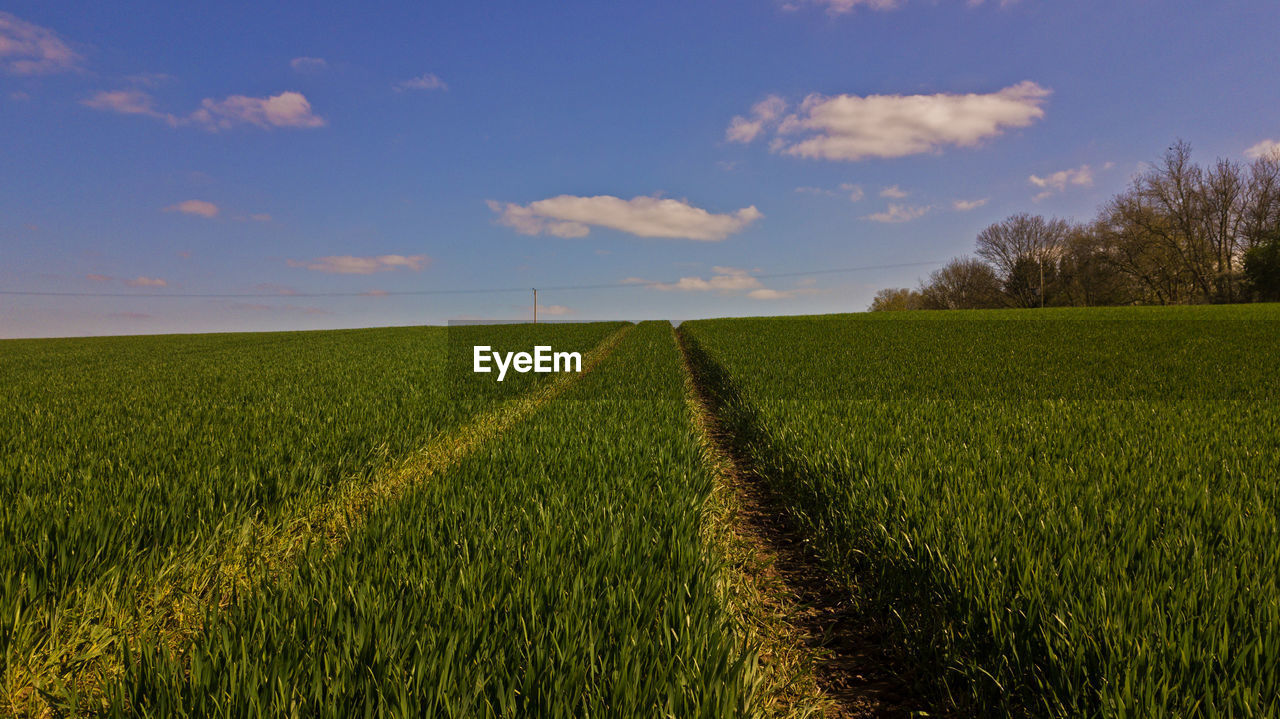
(1222, 205)
(1018, 248)
(1261, 213)
(962, 284)
(1087, 275)
(896, 299)
(1133, 236)
(1180, 233)
(1175, 204)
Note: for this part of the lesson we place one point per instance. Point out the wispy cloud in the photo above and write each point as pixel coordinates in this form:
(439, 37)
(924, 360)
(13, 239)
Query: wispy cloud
(855, 192)
(1056, 182)
(285, 110)
(149, 79)
(768, 294)
(966, 205)
(201, 208)
(140, 281)
(723, 279)
(288, 109)
(349, 265)
(765, 112)
(852, 127)
(274, 289)
(894, 192)
(429, 81)
(549, 310)
(898, 213)
(842, 7)
(29, 49)
(127, 102)
(146, 282)
(308, 64)
(1266, 148)
(292, 309)
(573, 216)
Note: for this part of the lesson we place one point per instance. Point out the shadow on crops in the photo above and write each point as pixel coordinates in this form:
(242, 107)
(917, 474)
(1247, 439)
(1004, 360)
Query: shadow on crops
(893, 612)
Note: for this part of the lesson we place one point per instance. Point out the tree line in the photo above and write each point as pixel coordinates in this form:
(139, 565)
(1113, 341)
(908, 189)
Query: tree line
(1179, 234)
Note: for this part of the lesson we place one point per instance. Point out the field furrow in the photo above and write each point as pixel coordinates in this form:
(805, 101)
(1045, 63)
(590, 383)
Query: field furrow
(557, 571)
(1048, 532)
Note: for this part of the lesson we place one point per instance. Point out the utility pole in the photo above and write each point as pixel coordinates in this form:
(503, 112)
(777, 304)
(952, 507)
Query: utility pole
(1041, 282)
(535, 304)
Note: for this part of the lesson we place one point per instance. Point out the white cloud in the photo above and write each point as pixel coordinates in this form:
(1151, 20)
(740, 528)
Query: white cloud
(1266, 148)
(146, 282)
(572, 216)
(550, 310)
(260, 217)
(898, 213)
(894, 192)
(127, 102)
(840, 7)
(429, 81)
(815, 191)
(308, 64)
(251, 307)
(855, 191)
(194, 207)
(27, 49)
(723, 279)
(765, 112)
(768, 294)
(966, 205)
(1056, 182)
(99, 278)
(851, 127)
(288, 109)
(348, 265)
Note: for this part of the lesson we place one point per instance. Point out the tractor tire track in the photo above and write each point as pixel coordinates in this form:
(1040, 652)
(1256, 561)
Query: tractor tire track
(823, 655)
(172, 604)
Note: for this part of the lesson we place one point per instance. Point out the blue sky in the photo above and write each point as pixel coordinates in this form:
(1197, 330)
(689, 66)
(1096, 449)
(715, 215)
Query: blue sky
(689, 150)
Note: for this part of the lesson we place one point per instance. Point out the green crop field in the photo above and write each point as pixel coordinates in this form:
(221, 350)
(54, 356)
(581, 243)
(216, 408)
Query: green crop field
(560, 573)
(1063, 513)
(140, 472)
(1055, 513)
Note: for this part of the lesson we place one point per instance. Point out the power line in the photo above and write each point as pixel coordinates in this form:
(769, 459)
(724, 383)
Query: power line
(472, 291)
